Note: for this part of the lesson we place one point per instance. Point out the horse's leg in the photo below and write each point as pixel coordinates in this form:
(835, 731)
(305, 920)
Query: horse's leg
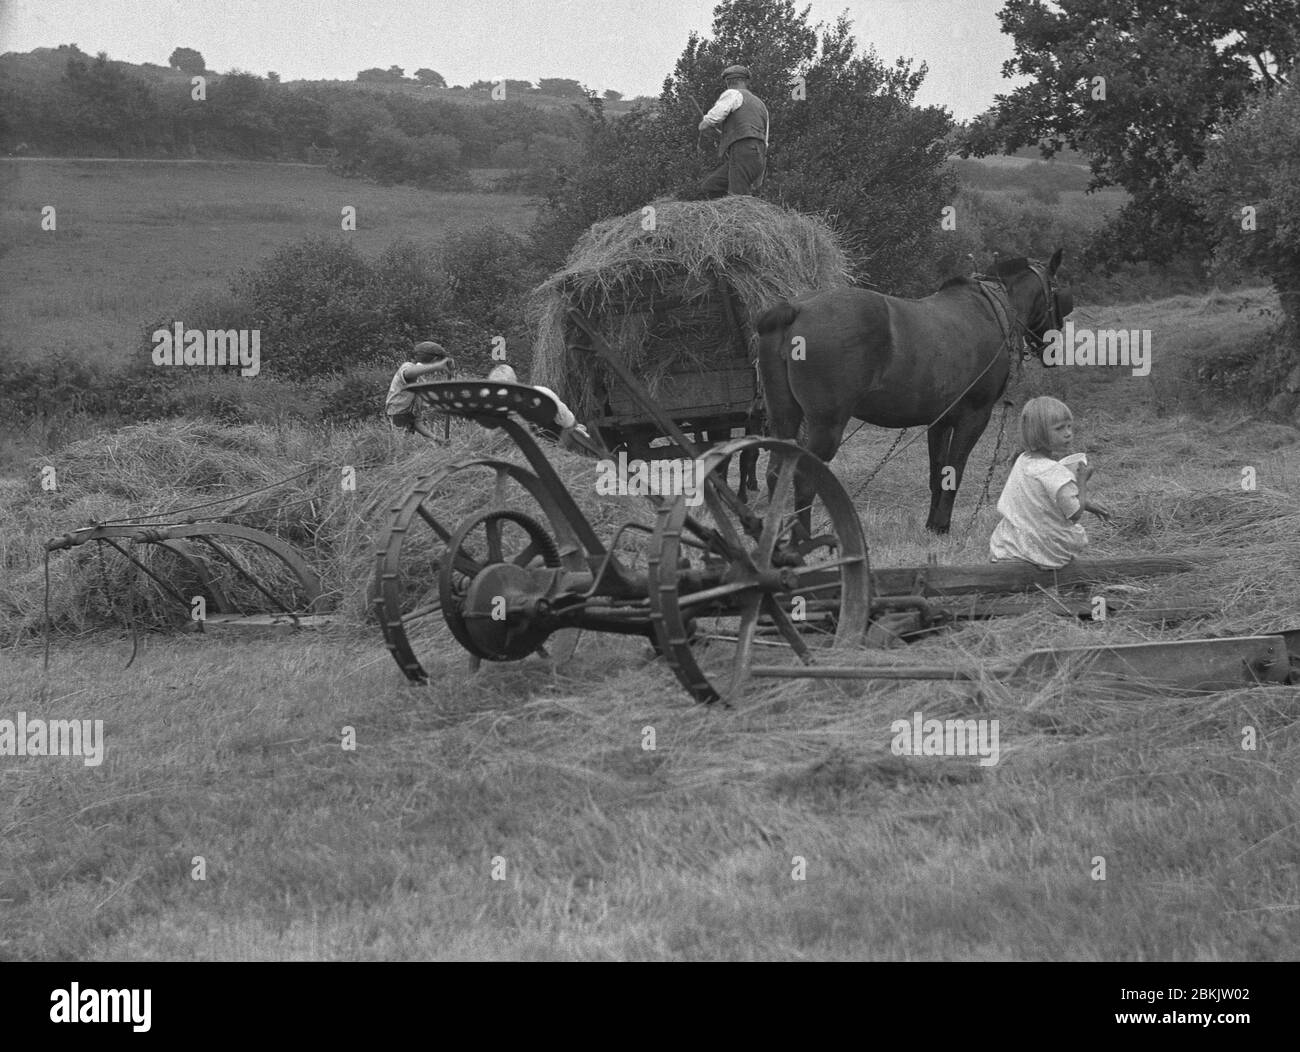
(712, 436)
(939, 439)
(965, 431)
(754, 425)
(823, 441)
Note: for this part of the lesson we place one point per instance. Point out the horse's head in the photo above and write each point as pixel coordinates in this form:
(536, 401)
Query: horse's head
(1038, 303)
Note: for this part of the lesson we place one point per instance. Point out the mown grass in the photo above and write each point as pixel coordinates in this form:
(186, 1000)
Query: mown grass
(135, 241)
(230, 749)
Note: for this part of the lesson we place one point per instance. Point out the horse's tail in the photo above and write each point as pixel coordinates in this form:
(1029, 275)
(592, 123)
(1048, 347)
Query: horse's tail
(784, 414)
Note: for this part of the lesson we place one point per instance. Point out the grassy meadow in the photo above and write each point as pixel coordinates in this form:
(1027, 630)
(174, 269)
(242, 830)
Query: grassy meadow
(229, 748)
(137, 239)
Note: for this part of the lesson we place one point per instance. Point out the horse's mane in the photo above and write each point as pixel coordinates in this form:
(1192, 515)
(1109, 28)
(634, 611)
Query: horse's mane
(956, 280)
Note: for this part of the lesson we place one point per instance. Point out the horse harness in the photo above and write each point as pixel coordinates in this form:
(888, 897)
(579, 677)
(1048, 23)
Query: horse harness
(995, 291)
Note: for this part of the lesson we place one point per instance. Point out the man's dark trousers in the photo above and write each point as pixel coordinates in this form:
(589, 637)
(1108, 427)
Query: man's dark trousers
(741, 171)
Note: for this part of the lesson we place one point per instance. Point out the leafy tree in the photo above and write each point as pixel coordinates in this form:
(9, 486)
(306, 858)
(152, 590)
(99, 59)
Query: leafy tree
(847, 140)
(108, 106)
(396, 73)
(1249, 191)
(187, 60)
(513, 87)
(611, 95)
(561, 87)
(431, 78)
(513, 154)
(1138, 85)
(239, 111)
(375, 75)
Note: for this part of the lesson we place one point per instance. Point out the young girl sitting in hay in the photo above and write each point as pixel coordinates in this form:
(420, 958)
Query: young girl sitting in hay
(1045, 495)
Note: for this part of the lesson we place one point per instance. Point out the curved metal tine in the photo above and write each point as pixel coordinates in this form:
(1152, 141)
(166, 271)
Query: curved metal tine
(780, 492)
(185, 603)
(275, 600)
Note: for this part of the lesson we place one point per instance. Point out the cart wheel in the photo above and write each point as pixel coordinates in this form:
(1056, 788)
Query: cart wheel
(777, 605)
(412, 552)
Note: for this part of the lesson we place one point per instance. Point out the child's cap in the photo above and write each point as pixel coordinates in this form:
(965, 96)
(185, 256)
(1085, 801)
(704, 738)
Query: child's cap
(428, 351)
(503, 374)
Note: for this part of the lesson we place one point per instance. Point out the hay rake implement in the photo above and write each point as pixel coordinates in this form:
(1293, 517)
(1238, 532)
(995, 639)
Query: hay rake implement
(722, 591)
(248, 577)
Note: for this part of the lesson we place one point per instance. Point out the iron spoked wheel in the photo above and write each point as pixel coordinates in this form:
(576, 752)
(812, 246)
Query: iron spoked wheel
(404, 591)
(777, 604)
(509, 542)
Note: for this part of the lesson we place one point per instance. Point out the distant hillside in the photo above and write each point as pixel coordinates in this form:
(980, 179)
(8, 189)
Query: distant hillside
(62, 102)
(47, 65)
(477, 96)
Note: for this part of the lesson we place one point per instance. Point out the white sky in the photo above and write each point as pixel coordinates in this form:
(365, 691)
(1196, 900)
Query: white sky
(627, 45)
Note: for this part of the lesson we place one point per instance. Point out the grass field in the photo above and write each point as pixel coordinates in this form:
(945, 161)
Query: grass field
(226, 752)
(231, 751)
(135, 240)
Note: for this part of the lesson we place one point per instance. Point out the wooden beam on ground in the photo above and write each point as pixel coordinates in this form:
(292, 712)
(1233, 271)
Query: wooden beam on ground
(1008, 577)
(1188, 664)
(980, 608)
(265, 622)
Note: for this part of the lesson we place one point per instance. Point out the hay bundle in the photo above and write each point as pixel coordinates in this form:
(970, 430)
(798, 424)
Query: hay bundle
(654, 295)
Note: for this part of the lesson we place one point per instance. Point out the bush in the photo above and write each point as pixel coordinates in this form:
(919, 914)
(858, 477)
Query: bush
(322, 308)
(58, 384)
(1248, 189)
(489, 273)
(356, 397)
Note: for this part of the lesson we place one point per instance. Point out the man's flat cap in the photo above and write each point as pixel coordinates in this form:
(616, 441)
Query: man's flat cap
(735, 71)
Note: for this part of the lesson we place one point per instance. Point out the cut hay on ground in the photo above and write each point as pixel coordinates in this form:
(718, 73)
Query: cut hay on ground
(619, 270)
(166, 466)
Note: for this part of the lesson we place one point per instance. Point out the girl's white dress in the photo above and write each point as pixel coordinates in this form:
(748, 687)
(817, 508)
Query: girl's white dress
(1036, 504)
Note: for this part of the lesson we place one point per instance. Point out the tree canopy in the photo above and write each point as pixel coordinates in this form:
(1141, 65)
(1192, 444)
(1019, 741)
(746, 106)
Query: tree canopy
(1138, 85)
(1249, 191)
(846, 139)
(187, 60)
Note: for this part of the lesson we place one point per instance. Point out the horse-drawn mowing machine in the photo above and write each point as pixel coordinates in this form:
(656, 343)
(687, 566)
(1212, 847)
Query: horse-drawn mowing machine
(722, 590)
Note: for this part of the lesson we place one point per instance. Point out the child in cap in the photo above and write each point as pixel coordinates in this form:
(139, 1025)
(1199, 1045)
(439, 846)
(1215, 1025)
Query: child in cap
(1046, 493)
(401, 405)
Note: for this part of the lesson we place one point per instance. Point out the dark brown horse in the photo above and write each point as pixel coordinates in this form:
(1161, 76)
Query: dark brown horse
(941, 362)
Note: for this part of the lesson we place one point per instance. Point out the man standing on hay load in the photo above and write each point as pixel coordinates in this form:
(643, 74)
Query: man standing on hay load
(740, 116)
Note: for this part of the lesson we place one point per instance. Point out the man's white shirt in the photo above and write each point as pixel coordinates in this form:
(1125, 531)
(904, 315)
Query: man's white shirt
(729, 101)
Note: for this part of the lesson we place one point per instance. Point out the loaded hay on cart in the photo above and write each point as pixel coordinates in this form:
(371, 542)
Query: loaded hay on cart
(674, 290)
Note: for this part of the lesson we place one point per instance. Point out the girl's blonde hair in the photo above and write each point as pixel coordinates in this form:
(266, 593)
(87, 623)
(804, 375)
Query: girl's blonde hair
(503, 374)
(1037, 419)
